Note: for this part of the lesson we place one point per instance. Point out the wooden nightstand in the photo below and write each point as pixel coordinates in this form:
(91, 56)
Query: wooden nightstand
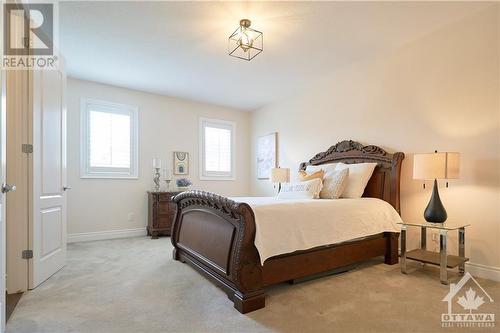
(442, 259)
(161, 213)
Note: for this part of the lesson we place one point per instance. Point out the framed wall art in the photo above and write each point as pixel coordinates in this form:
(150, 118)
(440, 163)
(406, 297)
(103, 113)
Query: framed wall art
(266, 155)
(181, 163)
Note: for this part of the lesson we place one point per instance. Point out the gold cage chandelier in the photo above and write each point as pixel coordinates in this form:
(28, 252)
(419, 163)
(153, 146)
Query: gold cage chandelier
(245, 43)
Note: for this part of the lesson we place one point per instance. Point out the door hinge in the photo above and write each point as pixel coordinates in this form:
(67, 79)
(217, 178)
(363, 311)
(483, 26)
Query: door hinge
(26, 42)
(27, 254)
(27, 148)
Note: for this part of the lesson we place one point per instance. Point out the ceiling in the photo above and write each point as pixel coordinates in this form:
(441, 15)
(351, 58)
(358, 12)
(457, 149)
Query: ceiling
(180, 48)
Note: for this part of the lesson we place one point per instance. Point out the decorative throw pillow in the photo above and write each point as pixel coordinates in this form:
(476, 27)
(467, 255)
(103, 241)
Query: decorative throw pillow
(304, 190)
(324, 167)
(303, 176)
(334, 184)
(358, 177)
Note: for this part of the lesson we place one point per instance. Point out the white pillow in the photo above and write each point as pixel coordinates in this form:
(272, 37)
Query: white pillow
(359, 175)
(324, 167)
(303, 190)
(334, 184)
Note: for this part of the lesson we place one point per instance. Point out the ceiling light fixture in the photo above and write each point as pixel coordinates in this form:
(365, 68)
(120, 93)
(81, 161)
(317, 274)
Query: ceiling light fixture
(245, 43)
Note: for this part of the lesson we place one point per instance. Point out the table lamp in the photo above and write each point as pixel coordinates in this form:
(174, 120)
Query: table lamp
(280, 175)
(436, 166)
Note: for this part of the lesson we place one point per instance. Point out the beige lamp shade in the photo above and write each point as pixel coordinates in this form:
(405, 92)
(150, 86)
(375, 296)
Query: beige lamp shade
(436, 166)
(280, 175)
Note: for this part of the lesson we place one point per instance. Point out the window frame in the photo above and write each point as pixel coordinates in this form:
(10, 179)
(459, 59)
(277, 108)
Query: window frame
(86, 171)
(216, 123)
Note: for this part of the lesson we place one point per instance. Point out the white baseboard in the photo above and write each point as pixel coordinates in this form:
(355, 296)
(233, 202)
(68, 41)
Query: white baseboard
(109, 234)
(483, 271)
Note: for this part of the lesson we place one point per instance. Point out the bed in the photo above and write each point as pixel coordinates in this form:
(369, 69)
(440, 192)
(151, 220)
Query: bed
(217, 235)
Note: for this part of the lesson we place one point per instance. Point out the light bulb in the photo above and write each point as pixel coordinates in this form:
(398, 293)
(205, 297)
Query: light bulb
(245, 41)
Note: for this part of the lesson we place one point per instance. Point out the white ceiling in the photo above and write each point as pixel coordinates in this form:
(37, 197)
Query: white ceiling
(180, 48)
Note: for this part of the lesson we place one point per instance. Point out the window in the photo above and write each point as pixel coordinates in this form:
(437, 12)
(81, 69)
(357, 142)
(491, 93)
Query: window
(109, 140)
(217, 155)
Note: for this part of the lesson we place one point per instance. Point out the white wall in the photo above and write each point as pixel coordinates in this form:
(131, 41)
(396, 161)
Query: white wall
(439, 92)
(165, 125)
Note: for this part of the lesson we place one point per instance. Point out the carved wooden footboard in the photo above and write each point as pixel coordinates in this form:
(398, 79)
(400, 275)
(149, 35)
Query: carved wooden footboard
(216, 236)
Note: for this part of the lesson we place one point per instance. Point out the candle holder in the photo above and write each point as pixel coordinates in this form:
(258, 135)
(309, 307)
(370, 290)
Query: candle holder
(167, 174)
(156, 179)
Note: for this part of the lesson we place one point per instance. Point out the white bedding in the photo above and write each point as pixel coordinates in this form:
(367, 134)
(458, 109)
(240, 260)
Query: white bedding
(288, 225)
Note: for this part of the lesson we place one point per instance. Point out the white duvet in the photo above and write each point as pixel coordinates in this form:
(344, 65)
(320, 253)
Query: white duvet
(288, 225)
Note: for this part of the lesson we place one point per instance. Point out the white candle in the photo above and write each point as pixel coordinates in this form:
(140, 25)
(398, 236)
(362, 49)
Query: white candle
(156, 163)
(167, 174)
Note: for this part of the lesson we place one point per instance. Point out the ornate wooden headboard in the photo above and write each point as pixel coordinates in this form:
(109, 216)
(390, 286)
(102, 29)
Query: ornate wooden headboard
(385, 181)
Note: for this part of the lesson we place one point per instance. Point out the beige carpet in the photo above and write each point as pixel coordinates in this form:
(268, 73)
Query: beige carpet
(133, 285)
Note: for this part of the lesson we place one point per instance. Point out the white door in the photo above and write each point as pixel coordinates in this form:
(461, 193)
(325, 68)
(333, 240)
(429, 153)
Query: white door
(3, 160)
(3, 247)
(48, 220)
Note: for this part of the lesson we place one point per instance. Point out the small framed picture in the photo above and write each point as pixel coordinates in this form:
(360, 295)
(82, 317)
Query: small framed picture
(181, 163)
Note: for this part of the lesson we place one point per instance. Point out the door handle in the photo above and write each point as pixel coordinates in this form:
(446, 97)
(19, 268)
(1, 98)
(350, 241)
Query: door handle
(65, 188)
(8, 188)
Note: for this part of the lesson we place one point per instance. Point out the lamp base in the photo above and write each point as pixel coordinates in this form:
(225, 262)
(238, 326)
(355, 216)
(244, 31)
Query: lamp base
(279, 189)
(435, 212)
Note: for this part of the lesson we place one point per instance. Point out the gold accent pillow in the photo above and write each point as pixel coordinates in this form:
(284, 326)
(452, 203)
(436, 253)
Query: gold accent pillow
(304, 176)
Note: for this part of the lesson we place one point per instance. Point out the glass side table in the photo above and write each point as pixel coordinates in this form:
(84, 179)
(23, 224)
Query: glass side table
(441, 259)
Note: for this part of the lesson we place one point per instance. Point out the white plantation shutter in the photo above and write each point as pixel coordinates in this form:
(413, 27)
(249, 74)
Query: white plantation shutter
(109, 140)
(216, 149)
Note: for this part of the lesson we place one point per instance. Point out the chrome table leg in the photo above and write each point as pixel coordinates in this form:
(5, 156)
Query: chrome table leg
(403, 249)
(443, 257)
(461, 249)
(423, 238)
(423, 241)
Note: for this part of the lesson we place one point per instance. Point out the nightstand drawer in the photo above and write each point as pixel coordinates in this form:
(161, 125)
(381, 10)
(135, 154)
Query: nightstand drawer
(165, 197)
(161, 213)
(164, 222)
(163, 209)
